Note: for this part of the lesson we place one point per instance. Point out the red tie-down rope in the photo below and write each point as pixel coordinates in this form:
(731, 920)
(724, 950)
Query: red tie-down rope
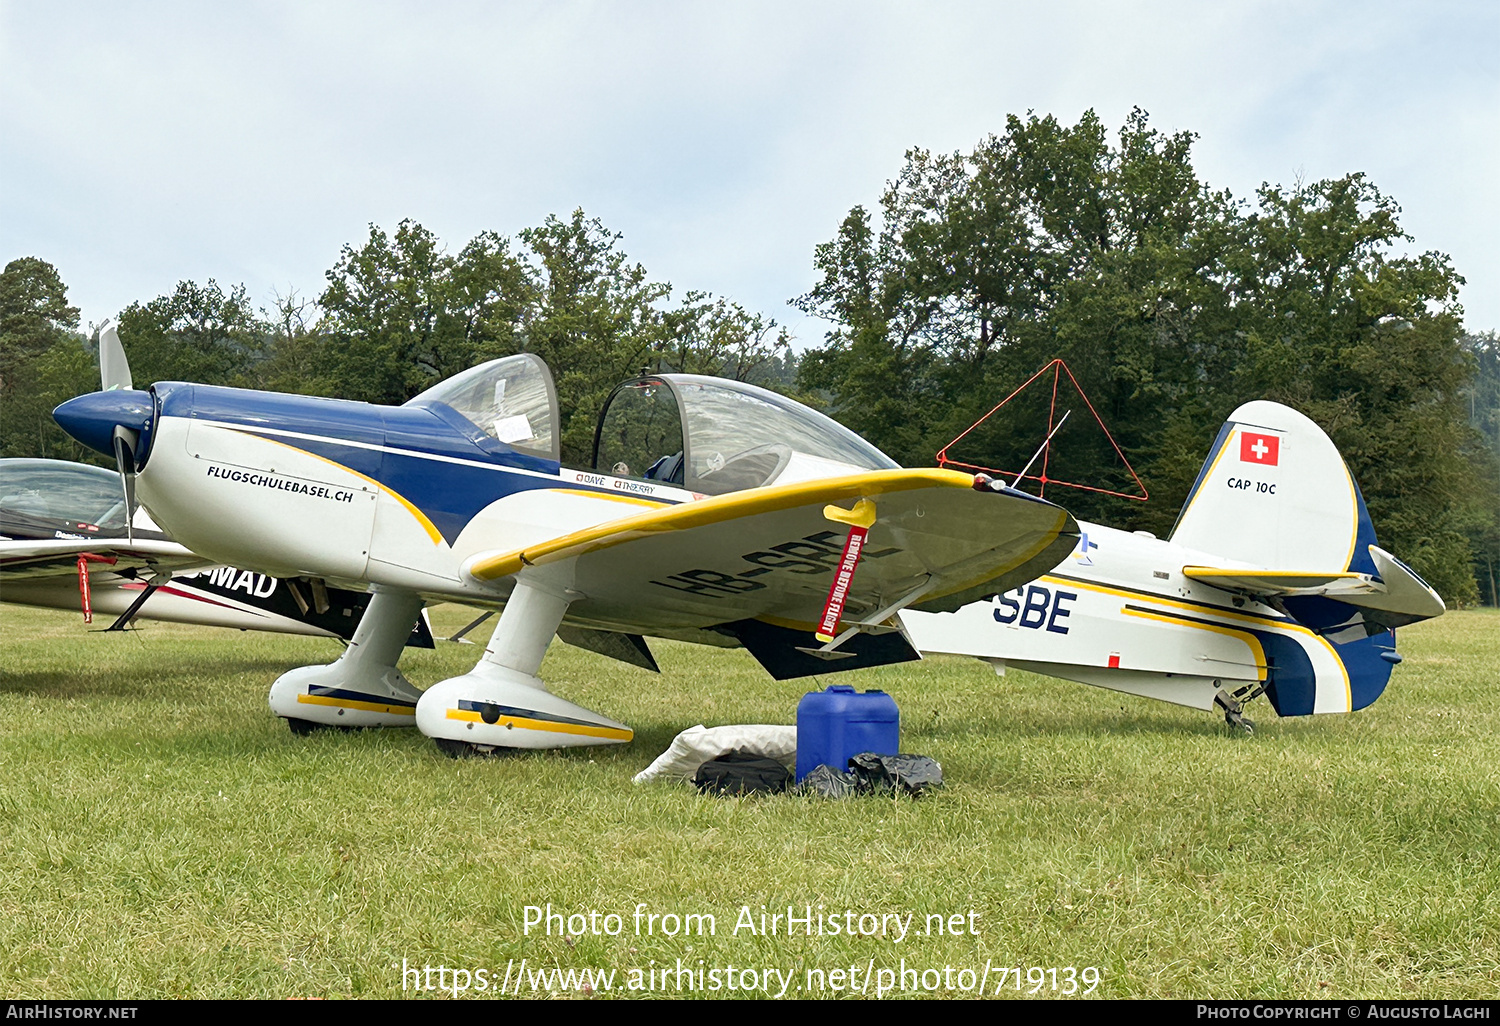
(1058, 368)
(84, 559)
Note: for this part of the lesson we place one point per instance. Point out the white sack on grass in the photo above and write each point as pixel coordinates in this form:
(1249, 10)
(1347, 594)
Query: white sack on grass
(697, 745)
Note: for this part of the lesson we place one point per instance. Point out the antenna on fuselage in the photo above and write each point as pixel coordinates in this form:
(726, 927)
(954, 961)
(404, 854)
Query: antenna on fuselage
(1045, 442)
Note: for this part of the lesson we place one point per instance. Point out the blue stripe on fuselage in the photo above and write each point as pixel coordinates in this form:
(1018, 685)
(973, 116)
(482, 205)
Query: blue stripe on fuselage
(1213, 452)
(449, 494)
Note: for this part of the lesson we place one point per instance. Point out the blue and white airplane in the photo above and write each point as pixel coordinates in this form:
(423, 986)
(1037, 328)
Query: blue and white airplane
(713, 511)
(719, 513)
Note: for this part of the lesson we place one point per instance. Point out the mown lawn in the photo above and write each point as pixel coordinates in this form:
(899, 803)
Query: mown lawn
(164, 835)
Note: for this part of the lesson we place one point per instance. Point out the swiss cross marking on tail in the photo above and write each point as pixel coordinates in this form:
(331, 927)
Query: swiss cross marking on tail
(1262, 449)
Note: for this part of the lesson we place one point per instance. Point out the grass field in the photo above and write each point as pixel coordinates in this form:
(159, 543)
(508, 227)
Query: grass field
(164, 835)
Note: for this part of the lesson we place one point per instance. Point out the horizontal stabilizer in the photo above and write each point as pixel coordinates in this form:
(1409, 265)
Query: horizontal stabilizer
(1281, 583)
(1397, 596)
(1405, 599)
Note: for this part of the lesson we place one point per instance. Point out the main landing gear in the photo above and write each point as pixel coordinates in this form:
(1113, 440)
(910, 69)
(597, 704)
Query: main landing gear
(362, 688)
(500, 704)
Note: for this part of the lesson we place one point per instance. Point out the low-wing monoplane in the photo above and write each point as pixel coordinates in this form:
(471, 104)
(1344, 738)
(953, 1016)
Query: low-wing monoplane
(712, 511)
(1270, 583)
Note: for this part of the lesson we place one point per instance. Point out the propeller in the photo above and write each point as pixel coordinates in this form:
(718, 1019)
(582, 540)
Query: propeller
(114, 375)
(126, 441)
(116, 420)
(114, 369)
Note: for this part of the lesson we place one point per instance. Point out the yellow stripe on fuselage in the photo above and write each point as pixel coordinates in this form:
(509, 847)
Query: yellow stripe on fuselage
(427, 525)
(1181, 517)
(633, 500)
(717, 509)
(551, 726)
(1205, 610)
(1353, 515)
(1200, 608)
(1249, 639)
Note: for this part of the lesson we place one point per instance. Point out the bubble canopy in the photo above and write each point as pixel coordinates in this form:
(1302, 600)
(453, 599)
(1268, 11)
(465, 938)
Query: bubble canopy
(710, 435)
(714, 436)
(57, 490)
(511, 400)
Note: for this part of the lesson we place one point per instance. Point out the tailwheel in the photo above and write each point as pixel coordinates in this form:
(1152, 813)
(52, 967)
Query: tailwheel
(1233, 706)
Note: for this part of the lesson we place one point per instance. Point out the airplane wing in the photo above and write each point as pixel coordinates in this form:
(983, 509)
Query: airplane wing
(758, 564)
(1394, 597)
(55, 557)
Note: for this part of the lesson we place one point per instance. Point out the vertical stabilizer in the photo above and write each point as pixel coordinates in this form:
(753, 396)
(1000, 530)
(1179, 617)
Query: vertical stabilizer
(1274, 493)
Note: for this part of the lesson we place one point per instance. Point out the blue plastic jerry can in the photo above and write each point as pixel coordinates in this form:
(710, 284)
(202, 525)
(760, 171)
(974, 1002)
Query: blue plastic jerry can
(838, 723)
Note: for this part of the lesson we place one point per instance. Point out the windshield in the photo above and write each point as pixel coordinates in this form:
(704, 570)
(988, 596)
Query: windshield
(511, 400)
(640, 433)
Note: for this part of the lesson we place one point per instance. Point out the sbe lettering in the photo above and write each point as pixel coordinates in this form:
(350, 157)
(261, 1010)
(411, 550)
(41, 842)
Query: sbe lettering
(1034, 606)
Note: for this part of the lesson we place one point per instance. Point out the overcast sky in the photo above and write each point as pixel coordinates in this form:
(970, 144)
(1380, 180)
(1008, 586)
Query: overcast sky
(145, 143)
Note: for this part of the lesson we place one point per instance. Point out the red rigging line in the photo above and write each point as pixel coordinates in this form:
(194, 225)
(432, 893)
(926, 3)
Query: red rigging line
(1058, 369)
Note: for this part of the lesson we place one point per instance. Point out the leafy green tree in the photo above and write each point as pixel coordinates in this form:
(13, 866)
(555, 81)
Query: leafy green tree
(400, 313)
(713, 335)
(387, 335)
(1171, 302)
(199, 333)
(1484, 417)
(294, 355)
(34, 315)
(1043, 242)
(43, 360)
(597, 319)
(1368, 345)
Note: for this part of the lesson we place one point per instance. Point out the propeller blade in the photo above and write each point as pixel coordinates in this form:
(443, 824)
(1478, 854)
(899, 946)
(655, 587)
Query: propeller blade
(126, 441)
(114, 369)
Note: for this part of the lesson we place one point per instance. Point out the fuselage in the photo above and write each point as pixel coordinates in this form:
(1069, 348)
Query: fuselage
(352, 492)
(1119, 613)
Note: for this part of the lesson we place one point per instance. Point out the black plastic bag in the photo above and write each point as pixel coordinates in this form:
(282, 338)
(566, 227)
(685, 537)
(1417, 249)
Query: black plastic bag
(827, 782)
(742, 772)
(875, 774)
(910, 774)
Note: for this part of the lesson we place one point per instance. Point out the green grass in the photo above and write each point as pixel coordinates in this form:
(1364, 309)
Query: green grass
(164, 835)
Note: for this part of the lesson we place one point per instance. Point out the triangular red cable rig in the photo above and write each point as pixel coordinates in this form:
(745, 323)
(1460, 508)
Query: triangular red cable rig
(1057, 368)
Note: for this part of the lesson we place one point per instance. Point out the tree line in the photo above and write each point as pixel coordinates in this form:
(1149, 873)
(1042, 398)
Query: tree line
(398, 314)
(1172, 303)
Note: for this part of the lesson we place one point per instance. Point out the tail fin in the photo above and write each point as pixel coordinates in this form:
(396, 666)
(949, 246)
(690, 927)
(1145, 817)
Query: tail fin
(1275, 493)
